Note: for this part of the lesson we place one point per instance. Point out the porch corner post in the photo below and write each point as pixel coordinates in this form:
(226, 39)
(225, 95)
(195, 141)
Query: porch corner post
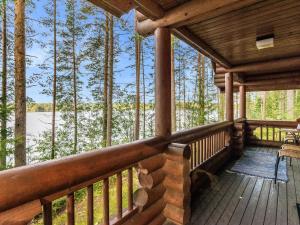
(229, 96)
(242, 90)
(163, 82)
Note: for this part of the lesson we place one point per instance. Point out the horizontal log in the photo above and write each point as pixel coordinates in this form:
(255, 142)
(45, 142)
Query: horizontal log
(178, 215)
(182, 13)
(47, 178)
(152, 179)
(140, 17)
(22, 214)
(159, 220)
(145, 197)
(151, 164)
(179, 199)
(277, 66)
(148, 215)
(177, 169)
(178, 184)
(178, 152)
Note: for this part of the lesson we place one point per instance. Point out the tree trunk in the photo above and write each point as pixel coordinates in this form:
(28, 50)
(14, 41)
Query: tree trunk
(201, 80)
(74, 82)
(3, 151)
(263, 104)
(137, 81)
(54, 83)
(104, 129)
(144, 91)
(20, 84)
(110, 80)
(173, 87)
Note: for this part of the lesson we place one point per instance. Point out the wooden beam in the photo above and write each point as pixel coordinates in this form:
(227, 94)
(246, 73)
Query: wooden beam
(184, 34)
(229, 96)
(163, 82)
(149, 8)
(115, 7)
(274, 66)
(183, 12)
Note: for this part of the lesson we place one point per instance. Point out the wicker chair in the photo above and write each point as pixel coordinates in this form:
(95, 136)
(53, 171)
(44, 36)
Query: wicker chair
(287, 150)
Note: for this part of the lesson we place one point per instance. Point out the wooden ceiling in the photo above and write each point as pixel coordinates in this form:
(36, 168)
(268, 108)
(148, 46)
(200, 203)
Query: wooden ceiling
(226, 31)
(233, 35)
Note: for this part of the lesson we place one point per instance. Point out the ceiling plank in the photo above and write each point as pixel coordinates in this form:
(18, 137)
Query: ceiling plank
(187, 36)
(185, 12)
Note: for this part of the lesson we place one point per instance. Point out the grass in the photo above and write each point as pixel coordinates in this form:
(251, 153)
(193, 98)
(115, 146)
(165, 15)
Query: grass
(60, 218)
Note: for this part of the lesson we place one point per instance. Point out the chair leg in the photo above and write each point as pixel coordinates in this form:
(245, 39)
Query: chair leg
(276, 167)
(290, 161)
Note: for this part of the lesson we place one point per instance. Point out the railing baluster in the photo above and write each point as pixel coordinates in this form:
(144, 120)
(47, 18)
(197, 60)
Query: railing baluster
(90, 205)
(267, 133)
(261, 133)
(71, 209)
(280, 135)
(130, 190)
(199, 152)
(106, 201)
(119, 195)
(273, 133)
(195, 154)
(47, 213)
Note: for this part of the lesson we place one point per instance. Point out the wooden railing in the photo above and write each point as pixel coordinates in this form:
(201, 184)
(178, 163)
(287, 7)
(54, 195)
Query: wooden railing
(26, 190)
(268, 133)
(32, 190)
(205, 141)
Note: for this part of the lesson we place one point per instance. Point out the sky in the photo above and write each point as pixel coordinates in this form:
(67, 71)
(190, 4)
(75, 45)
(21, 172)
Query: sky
(40, 54)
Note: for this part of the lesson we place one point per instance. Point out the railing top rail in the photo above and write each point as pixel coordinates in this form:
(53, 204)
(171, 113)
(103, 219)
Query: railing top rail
(24, 184)
(287, 124)
(199, 132)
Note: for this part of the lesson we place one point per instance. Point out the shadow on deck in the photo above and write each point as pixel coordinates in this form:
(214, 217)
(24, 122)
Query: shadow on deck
(241, 199)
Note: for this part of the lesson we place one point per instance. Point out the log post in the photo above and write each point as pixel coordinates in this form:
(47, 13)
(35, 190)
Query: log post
(163, 82)
(151, 174)
(229, 96)
(177, 183)
(242, 101)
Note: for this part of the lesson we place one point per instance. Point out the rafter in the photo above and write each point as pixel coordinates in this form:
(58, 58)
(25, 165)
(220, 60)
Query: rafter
(187, 36)
(149, 8)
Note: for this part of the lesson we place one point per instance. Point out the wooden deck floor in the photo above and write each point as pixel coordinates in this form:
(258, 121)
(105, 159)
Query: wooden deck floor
(240, 199)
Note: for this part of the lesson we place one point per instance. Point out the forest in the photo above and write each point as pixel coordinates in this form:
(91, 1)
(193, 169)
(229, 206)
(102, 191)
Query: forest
(94, 75)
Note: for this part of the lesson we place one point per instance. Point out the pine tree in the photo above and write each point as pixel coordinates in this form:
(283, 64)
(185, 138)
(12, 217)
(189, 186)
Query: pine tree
(4, 109)
(110, 81)
(20, 84)
(138, 75)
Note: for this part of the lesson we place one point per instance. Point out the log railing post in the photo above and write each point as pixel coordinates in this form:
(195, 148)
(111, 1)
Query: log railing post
(229, 96)
(177, 183)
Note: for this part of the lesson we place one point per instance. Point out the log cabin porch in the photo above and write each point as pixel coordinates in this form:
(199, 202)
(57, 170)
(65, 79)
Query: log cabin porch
(172, 169)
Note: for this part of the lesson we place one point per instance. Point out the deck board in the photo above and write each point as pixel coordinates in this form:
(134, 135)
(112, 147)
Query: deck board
(247, 200)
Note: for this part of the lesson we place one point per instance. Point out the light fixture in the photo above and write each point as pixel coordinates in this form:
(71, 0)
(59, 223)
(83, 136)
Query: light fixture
(265, 41)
